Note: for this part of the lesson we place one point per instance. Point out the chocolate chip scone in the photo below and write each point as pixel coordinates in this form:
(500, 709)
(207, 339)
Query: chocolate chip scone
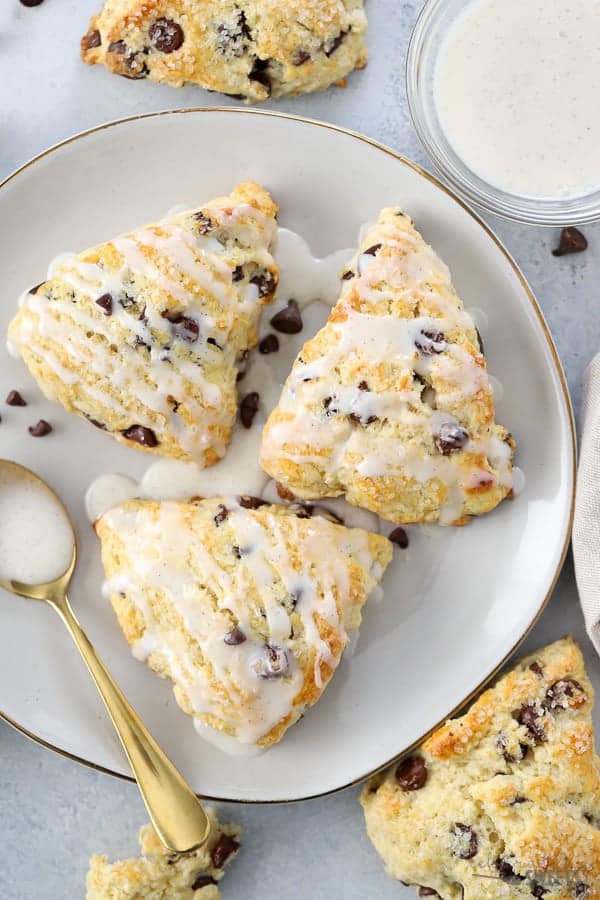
(503, 802)
(144, 335)
(249, 49)
(246, 607)
(390, 403)
(161, 875)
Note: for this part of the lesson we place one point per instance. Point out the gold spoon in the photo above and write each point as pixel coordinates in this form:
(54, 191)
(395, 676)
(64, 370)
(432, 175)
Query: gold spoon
(175, 811)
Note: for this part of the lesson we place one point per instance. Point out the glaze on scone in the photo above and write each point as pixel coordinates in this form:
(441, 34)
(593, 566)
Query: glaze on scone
(249, 49)
(503, 802)
(390, 403)
(161, 875)
(144, 335)
(246, 607)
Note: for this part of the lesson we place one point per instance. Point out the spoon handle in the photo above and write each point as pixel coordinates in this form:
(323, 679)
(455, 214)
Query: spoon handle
(175, 811)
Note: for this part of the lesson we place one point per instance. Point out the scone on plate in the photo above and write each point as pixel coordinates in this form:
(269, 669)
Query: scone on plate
(248, 49)
(246, 607)
(144, 335)
(503, 802)
(390, 403)
(161, 875)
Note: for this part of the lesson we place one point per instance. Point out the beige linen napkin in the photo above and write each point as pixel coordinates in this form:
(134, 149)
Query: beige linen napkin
(586, 527)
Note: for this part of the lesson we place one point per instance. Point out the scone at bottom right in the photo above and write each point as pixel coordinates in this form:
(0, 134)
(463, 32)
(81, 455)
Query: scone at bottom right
(504, 801)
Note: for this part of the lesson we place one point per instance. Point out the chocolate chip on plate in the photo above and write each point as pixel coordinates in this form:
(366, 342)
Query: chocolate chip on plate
(411, 773)
(571, 241)
(399, 536)
(31, 2)
(223, 849)
(249, 408)
(248, 502)
(288, 320)
(140, 435)
(451, 437)
(202, 881)
(91, 39)
(234, 637)
(269, 344)
(40, 429)
(105, 302)
(531, 717)
(14, 399)
(273, 663)
(166, 35)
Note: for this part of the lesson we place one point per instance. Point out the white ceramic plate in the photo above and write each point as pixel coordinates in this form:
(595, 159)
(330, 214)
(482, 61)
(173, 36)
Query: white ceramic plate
(456, 603)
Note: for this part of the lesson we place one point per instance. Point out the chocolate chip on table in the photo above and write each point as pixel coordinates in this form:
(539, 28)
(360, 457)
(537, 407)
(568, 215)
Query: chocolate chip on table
(166, 35)
(571, 241)
(140, 435)
(411, 773)
(223, 849)
(91, 39)
(430, 342)
(451, 437)
(14, 399)
(31, 2)
(299, 57)
(565, 693)
(249, 408)
(273, 663)
(221, 514)
(248, 502)
(399, 536)
(330, 46)
(202, 881)
(265, 282)
(105, 302)
(205, 223)
(530, 716)
(234, 637)
(40, 429)
(536, 667)
(269, 344)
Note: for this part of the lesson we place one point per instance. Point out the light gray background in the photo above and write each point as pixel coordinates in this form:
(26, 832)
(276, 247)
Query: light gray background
(54, 813)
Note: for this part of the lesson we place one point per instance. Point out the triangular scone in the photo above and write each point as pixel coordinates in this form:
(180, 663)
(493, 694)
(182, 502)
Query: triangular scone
(503, 802)
(144, 335)
(249, 49)
(161, 875)
(245, 606)
(390, 402)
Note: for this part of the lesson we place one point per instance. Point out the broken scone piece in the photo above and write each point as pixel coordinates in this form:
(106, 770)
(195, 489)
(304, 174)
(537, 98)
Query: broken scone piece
(503, 802)
(390, 403)
(248, 49)
(246, 607)
(144, 335)
(162, 875)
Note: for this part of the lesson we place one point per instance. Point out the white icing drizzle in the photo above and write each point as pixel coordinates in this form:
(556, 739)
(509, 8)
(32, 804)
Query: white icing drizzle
(304, 277)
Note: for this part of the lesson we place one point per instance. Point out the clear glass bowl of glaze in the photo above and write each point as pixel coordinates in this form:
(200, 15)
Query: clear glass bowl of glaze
(429, 33)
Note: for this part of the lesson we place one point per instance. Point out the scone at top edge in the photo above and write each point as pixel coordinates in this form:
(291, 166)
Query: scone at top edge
(161, 875)
(503, 802)
(246, 607)
(249, 49)
(390, 403)
(144, 335)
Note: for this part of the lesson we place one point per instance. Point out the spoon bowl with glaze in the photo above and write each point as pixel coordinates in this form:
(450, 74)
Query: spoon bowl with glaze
(29, 508)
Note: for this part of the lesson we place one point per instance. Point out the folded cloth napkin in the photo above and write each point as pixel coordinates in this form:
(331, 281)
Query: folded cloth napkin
(586, 526)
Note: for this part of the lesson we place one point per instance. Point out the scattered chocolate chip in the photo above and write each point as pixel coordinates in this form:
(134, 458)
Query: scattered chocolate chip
(222, 850)
(273, 663)
(265, 282)
(571, 241)
(427, 892)
(299, 57)
(451, 437)
(411, 774)
(565, 693)
(372, 251)
(205, 224)
(14, 399)
(536, 667)
(184, 327)
(348, 275)
(269, 344)
(201, 881)
(221, 515)
(249, 408)
(516, 801)
(260, 73)
(363, 386)
(530, 716)
(36, 287)
(31, 2)
(238, 273)
(40, 429)
(430, 342)
(91, 39)
(506, 871)
(399, 536)
(467, 845)
(234, 637)
(537, 890)
(105, 302)
(140, 435)
(330, 46)
(480, 340)
(166, 35)
(214, 343)
(248, 502)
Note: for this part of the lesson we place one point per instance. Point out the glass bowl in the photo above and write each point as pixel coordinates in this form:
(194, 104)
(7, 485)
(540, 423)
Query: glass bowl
(428, 36)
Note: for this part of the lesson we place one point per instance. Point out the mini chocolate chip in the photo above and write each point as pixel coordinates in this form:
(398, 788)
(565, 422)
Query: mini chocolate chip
(202, 881)
(236, 551)
(234, 637)
(260, 73)
(185, 327)
(516, 801)
(105, 302)
(265, 282)
(530, 716)
(40, 429)
(399, 536)
(537, 890)
(506, 871)
(430, 342)
(222, 513)
(536, 667)
(571, 241)
(140, 435)
(273, 663)
(248, 502)
(427, 892)
(222, 850)
(564, 693)
(31, 2)
(205, 223)
(249, 408)
(451, 437)
(36, 287)
(238, 273)
(299, 57)
(132, 61)
(327, 403)
(269, 344)
(119, 47)
(363, 386)
(14, 399)
(467, 844)
(213, 343)
(411, 774)
(348, 275)
(166, 35)
(372, 251)
(96, 423)
(330, 46)
(91, 39)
